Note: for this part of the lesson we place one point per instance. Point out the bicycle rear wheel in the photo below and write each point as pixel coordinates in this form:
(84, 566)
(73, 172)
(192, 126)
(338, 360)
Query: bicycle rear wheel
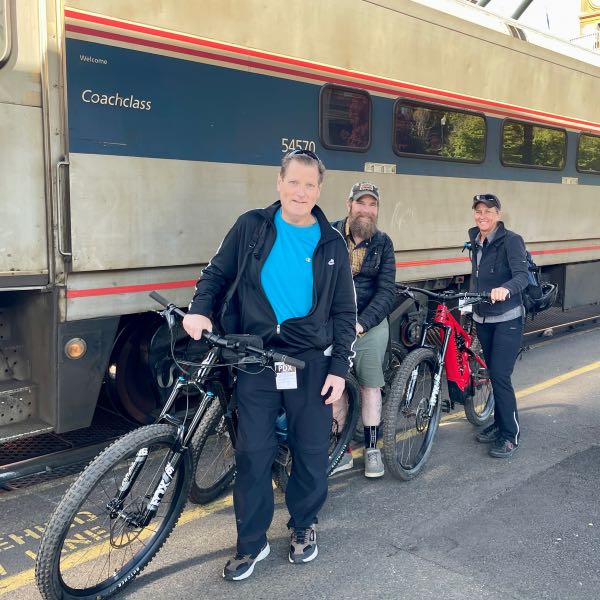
(408, 430)
(214, 457)
(479, 402)
(90, 549)
(338, 440)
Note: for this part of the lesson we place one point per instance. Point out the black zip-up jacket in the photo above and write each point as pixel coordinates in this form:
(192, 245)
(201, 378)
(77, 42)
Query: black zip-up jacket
(332, 317)
(503, 264)
(375, 282)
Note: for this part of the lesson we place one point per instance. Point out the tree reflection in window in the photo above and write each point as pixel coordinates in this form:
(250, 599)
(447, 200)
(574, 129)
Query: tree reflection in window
(436, 131)
(588, 154)
(525, 144)
(345, 118)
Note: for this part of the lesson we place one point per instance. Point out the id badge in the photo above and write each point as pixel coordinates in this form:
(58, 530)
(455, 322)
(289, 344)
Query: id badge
(285, 376)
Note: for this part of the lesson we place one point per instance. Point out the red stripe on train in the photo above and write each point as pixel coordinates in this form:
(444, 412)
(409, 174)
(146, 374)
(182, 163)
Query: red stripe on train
(106, 21)
(436, 261)
(283, 70)
(189, 283)
(131, 289)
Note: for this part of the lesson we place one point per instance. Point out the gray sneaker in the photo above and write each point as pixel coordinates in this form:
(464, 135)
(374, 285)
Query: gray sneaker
(373, 463)
(303, 545)
(241, 566)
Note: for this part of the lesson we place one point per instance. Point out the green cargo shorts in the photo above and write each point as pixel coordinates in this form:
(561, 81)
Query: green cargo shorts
(370, 352)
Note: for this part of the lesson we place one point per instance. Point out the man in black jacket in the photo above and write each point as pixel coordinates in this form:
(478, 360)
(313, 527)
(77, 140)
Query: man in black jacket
(296, 293)
(499, 266)
(374, 270)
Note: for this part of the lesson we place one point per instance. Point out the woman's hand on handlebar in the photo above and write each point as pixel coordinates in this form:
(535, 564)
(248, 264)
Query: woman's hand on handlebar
(196, 324)
(499, 294)
(333, 388)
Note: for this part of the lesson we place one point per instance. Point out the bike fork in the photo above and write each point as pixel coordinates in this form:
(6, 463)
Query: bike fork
(437, 378)
(137, 519)
(161, 489)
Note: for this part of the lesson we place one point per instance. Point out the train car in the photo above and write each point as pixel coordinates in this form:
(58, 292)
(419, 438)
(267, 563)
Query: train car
(134, 133)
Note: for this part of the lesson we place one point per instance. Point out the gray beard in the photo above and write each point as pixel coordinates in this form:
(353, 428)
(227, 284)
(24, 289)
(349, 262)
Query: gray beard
(362, 228)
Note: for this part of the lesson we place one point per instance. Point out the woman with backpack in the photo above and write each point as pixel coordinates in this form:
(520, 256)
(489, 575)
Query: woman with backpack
(499, 266)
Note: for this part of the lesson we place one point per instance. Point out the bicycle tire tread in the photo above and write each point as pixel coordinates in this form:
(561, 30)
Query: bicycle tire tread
(49, 551)
(197, 495)
(412, 360)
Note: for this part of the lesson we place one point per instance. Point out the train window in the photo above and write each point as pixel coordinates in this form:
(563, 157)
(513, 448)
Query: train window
(345, 118)
(527, 145)
(5, 44)
(588, 153)
(432, 131)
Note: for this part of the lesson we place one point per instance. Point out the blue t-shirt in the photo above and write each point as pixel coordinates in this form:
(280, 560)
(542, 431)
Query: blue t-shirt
(287, 276)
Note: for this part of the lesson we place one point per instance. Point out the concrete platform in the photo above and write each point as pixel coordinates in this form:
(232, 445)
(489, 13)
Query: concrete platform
(470, 527)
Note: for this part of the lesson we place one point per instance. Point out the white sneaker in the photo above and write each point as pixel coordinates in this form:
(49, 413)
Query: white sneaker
(345, 464)
(373, 463)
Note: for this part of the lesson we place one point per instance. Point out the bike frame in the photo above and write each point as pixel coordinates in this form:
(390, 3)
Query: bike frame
(453, 354)
(183, 439)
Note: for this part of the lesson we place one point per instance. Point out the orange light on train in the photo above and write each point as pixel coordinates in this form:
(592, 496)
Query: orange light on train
(75, 348)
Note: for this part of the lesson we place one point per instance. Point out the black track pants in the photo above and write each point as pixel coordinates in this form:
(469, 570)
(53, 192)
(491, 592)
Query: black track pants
(501, 343)
(309, 425)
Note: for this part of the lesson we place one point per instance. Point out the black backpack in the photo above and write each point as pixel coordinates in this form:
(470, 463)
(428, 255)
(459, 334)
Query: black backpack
(533, 292)
(536, 296)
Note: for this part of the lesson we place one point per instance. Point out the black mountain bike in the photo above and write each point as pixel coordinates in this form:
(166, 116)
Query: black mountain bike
(120, 511)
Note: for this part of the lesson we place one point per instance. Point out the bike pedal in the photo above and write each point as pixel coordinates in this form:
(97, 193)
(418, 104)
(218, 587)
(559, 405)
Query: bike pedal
(447, 406)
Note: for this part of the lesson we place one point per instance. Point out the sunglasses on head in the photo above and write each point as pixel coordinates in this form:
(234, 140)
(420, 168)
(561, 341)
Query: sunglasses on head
(485, 198)
(301, 152)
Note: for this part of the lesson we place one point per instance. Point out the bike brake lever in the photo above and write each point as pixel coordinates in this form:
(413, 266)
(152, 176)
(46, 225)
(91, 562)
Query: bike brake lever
(168, 314)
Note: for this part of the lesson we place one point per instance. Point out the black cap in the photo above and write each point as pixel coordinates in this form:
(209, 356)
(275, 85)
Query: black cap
(489, 200)
(364, 188)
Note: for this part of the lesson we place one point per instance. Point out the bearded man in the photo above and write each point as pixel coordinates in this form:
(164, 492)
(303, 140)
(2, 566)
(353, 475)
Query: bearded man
(374, 271)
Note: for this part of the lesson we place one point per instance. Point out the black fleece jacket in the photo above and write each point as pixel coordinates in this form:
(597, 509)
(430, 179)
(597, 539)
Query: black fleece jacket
(332, 317)
(375, 282)
(503, 264)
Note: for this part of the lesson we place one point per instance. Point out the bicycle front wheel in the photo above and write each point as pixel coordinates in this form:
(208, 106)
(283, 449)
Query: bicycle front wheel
(92, 546)
(479, 402)
(214, 457)
(409, 423)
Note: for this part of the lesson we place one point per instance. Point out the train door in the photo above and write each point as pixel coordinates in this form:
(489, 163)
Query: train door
(25, 266)
(23, 253)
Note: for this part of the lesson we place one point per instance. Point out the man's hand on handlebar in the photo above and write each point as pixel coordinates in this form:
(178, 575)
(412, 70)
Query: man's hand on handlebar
(196, 324)
(334, 386)
(499, 294)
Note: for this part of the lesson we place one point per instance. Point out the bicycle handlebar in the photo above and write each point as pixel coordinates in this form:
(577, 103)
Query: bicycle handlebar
(222, 342)
(477, 296)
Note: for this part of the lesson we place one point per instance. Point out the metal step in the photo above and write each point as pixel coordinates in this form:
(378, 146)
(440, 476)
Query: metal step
(29, 428)
(18, 414)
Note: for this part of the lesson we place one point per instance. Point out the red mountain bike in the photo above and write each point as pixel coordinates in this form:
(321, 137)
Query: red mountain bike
(412, 413)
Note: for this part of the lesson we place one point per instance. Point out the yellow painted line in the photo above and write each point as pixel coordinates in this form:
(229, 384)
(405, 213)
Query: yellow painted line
(556, 380)
(14, 582)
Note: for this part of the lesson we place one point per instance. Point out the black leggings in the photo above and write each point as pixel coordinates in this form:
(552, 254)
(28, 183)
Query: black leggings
(309, 422)
(501, 343)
